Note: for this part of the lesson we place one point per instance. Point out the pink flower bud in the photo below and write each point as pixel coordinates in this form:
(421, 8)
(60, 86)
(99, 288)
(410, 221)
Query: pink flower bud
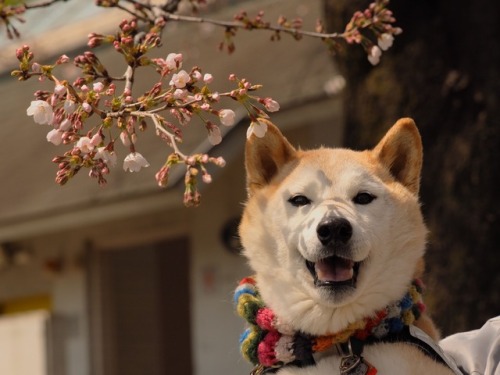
(86, 107)
(36, 68)
(69, 106)
(96, 139)
(206, 178)
(19, 53)
(180, 94)
(162, 176)
(220, 161)
(111, 89)
(197, 75)
(271, 105)
(55, 137)
(65, 125)
(125, 138)
(63, 59)
(208, 78)
(59, 90)
(98, 87)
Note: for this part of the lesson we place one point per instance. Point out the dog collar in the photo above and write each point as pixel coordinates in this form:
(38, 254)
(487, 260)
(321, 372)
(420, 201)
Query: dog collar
(270, 343)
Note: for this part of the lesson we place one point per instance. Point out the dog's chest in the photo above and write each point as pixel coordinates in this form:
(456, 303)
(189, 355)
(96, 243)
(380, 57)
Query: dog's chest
(387, 359)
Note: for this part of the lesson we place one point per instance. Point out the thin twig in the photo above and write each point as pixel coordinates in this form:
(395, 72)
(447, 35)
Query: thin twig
(160, 10)
(242, 25)
(160, 128)
(41, 5)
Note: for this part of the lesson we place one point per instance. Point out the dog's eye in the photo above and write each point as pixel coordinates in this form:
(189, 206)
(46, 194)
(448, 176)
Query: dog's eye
(299, 200)
(363, 197)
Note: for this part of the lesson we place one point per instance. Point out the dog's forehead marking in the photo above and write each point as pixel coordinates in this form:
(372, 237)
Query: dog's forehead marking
(324, 169)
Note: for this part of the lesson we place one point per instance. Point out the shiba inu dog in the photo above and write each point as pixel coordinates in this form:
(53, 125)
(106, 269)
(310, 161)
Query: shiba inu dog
(336, 239)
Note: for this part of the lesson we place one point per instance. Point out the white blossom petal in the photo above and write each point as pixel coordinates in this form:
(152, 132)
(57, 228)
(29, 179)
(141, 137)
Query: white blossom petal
(214, 135)
(227, 117)
(55, 137)
(134, 162)
(41, 111)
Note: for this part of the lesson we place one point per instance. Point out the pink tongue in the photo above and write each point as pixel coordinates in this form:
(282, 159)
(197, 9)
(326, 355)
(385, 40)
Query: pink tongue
(334, 269)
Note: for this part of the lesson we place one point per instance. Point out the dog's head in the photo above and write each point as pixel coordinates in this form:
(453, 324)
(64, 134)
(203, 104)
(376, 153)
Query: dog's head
(333, 234)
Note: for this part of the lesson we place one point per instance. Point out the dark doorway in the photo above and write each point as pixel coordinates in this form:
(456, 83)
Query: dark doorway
(144, 320)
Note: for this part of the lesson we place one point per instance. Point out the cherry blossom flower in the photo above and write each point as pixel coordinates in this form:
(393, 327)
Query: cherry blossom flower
(259, 128)
(374, 55)
(208, 78)
(41, 111)
(271, 105)
(214, 135)
(227, 117)
(385, 41)
(174, 61)
(134, 162)
(108, 157)
(69, 106)
(180, 80)
(55, 137)
(85, 145)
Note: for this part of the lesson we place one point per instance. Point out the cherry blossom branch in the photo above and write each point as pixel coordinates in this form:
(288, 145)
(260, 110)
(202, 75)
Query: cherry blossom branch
(173, 101)
(375, 21)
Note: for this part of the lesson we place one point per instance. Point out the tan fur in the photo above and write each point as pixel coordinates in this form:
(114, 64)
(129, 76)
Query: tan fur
(388, 235)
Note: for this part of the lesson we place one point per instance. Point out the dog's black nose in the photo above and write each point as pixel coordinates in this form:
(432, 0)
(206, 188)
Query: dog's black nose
(333, 230)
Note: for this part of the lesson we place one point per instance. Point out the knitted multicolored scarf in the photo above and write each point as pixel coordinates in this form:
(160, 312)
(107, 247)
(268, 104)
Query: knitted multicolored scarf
(270, 342)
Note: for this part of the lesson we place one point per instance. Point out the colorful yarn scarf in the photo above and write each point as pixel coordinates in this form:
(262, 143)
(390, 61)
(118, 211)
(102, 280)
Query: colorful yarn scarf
(270, 342)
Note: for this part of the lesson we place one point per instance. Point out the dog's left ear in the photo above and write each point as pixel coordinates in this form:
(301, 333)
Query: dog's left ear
(265, 156)
(400, 151)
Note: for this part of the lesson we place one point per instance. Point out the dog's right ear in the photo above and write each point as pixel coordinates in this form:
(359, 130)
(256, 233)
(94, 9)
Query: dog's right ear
(400, 151)
(265, 156)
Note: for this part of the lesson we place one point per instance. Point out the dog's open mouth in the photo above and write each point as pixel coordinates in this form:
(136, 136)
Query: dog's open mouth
(334, 272)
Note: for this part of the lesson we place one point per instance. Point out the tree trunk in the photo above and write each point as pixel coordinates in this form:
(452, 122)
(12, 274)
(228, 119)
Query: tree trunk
(444, 71)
